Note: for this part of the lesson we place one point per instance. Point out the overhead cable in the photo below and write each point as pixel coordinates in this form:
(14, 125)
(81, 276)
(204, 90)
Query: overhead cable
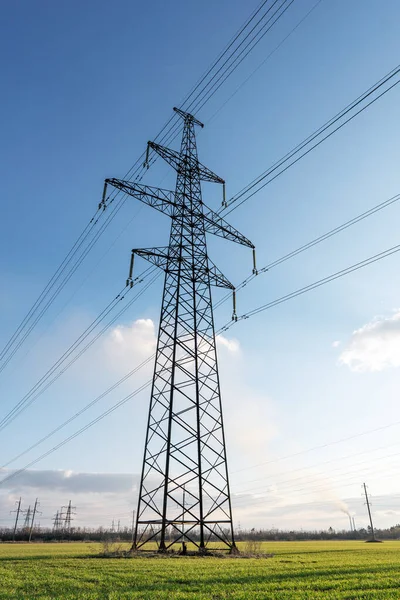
(34, 315)
(264, 61)
(58, 368)
(82, 410)
(240, 57)
(393, 77)
(224, 71)
(332, 232)
(77, 433)
(316, 284)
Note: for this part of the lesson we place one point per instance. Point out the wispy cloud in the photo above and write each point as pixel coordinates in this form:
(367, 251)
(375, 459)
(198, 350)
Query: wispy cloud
(375, 346)
(230, 343)
(126, 344)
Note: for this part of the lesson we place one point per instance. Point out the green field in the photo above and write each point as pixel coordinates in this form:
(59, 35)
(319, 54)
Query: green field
(296, 570)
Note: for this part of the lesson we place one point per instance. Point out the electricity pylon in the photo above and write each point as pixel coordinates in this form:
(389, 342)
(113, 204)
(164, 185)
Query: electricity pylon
(57, 522)
(68, 517)
(35, 511)
(18, 511)
(185, 440)
(27, 522)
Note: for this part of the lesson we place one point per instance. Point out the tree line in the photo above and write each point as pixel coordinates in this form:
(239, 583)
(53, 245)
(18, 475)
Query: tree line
(83, 534)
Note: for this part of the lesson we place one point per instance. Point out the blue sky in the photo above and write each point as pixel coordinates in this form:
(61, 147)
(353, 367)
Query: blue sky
(84, 87)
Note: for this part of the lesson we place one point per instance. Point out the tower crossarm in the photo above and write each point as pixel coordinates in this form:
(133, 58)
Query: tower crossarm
(181, 164)
(217, 278)
(187, 117)
(162, 257)
(162, 200)
(218, 226)
(157, 256)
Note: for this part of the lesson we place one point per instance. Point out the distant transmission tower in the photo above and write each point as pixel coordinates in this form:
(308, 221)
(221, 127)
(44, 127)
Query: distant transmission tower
(27, 522)
(68, 517)
(184, 487)
(35, 511)
(18, 512)
(369, 512)
(57, 523)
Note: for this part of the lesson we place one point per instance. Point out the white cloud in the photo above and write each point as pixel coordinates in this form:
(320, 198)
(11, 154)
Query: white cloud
(375, 346)
(128, 344)
(231, 344)
(336, 344)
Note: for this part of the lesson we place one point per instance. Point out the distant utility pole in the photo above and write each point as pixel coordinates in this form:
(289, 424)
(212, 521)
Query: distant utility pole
(369, 512)
(33, 519)
(16, 517)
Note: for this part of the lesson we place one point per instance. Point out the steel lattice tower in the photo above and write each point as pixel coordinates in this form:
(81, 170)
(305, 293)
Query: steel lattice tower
(184, 490)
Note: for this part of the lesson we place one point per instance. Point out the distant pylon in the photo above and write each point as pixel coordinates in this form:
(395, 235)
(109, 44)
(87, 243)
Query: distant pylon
(57, 522)
(35, 510)
(27, 521)
(68, 517)
(185, 455)
(369, 512)
(17, 511)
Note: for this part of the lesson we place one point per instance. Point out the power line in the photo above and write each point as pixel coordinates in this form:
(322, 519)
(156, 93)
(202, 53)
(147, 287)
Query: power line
(83, 429)
(316, 284)
(247, 502)
(124, 400)
(202, 79)
(87, 276)
(223, 53)
(82, 410)
(109, 308)
(85, 233)
(314, 242)
(257, 37)
(325, 138)
(333, 232)
(321, 446)
(29, 322)
(274, 303)
(263, 31)
(29, 325)
(265, 60)
(38, 389)
(77, 433)
(330, 461)
(313, 480)
(205, 95)
(305, 490)
(244, 193)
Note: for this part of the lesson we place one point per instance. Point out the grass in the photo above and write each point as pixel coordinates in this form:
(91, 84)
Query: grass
(298, 570)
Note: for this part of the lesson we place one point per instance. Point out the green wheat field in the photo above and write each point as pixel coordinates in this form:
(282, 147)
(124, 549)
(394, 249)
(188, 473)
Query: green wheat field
(301, 570)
